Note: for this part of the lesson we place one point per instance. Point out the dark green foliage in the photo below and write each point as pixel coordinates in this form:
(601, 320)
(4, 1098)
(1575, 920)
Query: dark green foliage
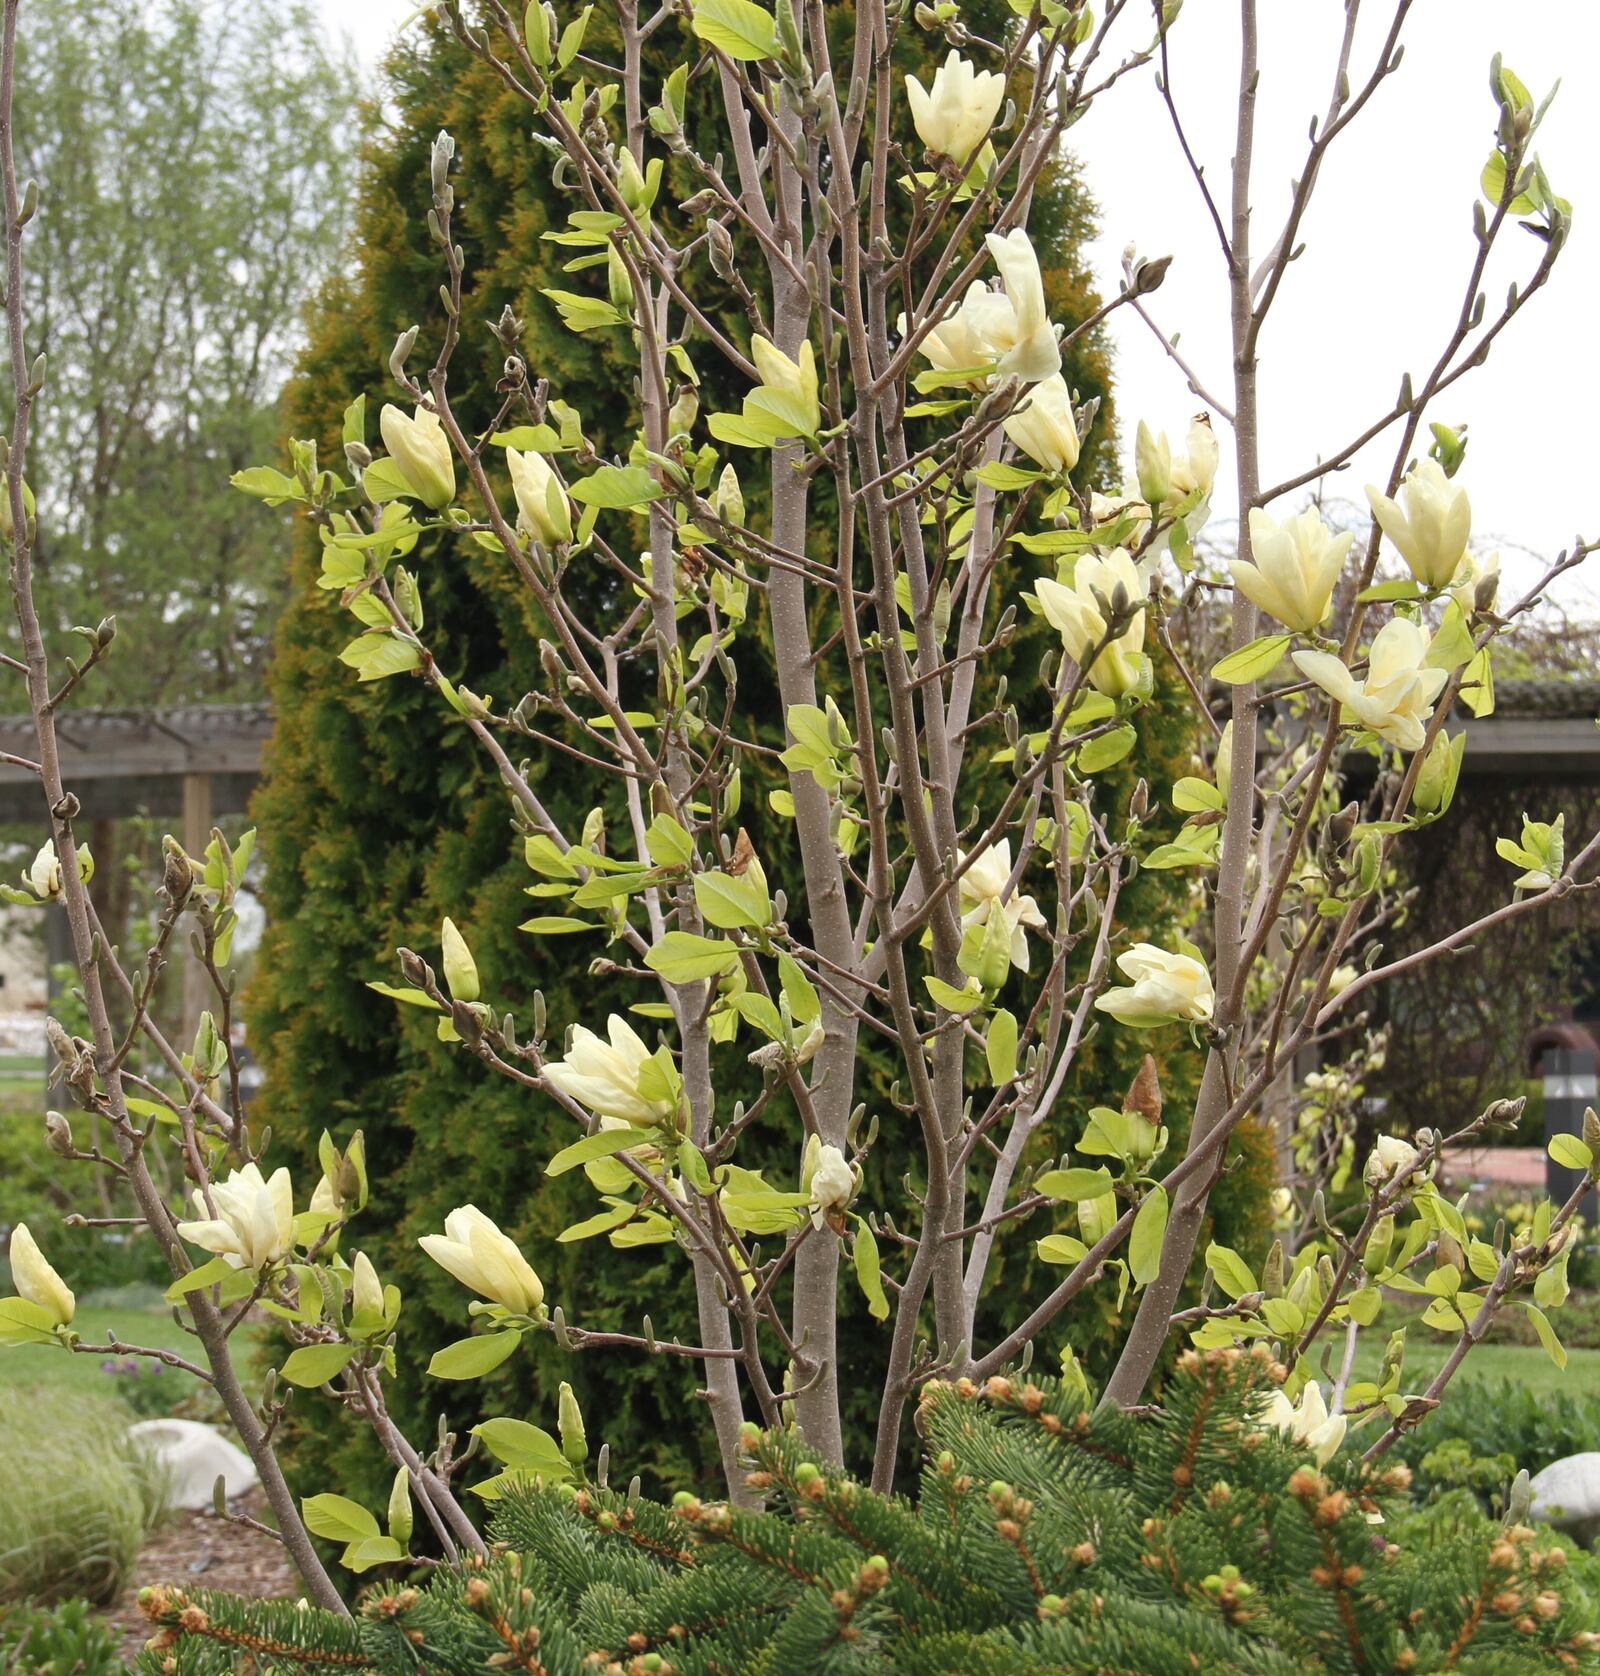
(1504, 1423)
(378, 819)
(59, 1640)
(1043, 1538)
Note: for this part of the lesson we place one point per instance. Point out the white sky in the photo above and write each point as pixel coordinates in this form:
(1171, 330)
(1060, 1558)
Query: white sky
(1389, 241)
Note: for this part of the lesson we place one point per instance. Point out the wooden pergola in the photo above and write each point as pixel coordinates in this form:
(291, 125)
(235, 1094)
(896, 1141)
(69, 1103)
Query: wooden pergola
(194, 764)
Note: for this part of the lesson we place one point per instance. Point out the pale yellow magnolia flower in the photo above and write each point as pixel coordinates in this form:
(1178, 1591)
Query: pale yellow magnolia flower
(474, 1250)
(1043, 426)
(1307, 1422)
(366, 1290)
(955, 345)
(254, 1222)
(794, 379)
(542, 508)
(1397, 697)
(828, 1178)
(1433, 530)
(1075, 613)
(421, 453)
(1165, 986)
(604, 1076)
(1108, 509)
(44, 876)
(1016, 324)
(1389, 1157)
(1295, 567)
(1196, 468)
(982, 886)
(955, 116)
(36, 1282)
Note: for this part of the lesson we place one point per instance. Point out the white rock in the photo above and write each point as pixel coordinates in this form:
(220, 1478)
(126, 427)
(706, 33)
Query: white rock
(1566, 1494)
(192, 1457)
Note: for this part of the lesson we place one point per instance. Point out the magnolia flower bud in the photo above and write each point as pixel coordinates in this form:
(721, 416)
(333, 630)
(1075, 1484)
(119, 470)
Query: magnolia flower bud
(569, 1421)
(7, 519)
(400, 1517)
(44, 876)
(421, 453)
(460, 970)
(58, 1134)
(542, 508)
(36, 1282)
(366, 1290)
(729, 502)
(1152, 458)
(684, 411)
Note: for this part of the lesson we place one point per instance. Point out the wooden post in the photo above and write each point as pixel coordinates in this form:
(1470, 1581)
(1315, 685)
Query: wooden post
(196, 835)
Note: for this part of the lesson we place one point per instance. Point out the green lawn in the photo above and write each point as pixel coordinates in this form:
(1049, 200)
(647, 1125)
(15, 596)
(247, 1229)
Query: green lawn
(45, 1368)
(1528, 1365)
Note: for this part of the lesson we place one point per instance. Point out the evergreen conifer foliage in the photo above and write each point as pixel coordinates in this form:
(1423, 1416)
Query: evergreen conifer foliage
(1045, 1537)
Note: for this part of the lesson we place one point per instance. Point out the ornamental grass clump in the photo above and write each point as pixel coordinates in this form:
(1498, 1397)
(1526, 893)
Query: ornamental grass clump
(77, 1496)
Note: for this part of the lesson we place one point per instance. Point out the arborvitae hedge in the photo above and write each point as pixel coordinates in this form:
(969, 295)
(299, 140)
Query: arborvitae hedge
(378, 818)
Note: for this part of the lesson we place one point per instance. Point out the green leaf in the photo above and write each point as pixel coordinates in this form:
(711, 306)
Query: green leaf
(681, 957)
(208, 1274)
(1252, 662)
(375, 657)
(528, 439)
(1109, 749)
(315, 1364)
(804, 1003)
(737, 27)
(471, 1358)
(1000, 1047)
(668, 843)
(617, 487)
(371, 1551)
(602, 1222)
(869, 1274)
(1074, 1185)
(524, 1448)
(953, 1000)
(1234, 1275)
(1190, 796)
(1554, 1348)
(1364, 1305)
(1571, 1152)
(604, 1143)
(22, 1322)
(407, 997)
(337, 1518)
(1061, 1248)
(557, 925)
(1149, 1229)
(733, 903)
(268, 485)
